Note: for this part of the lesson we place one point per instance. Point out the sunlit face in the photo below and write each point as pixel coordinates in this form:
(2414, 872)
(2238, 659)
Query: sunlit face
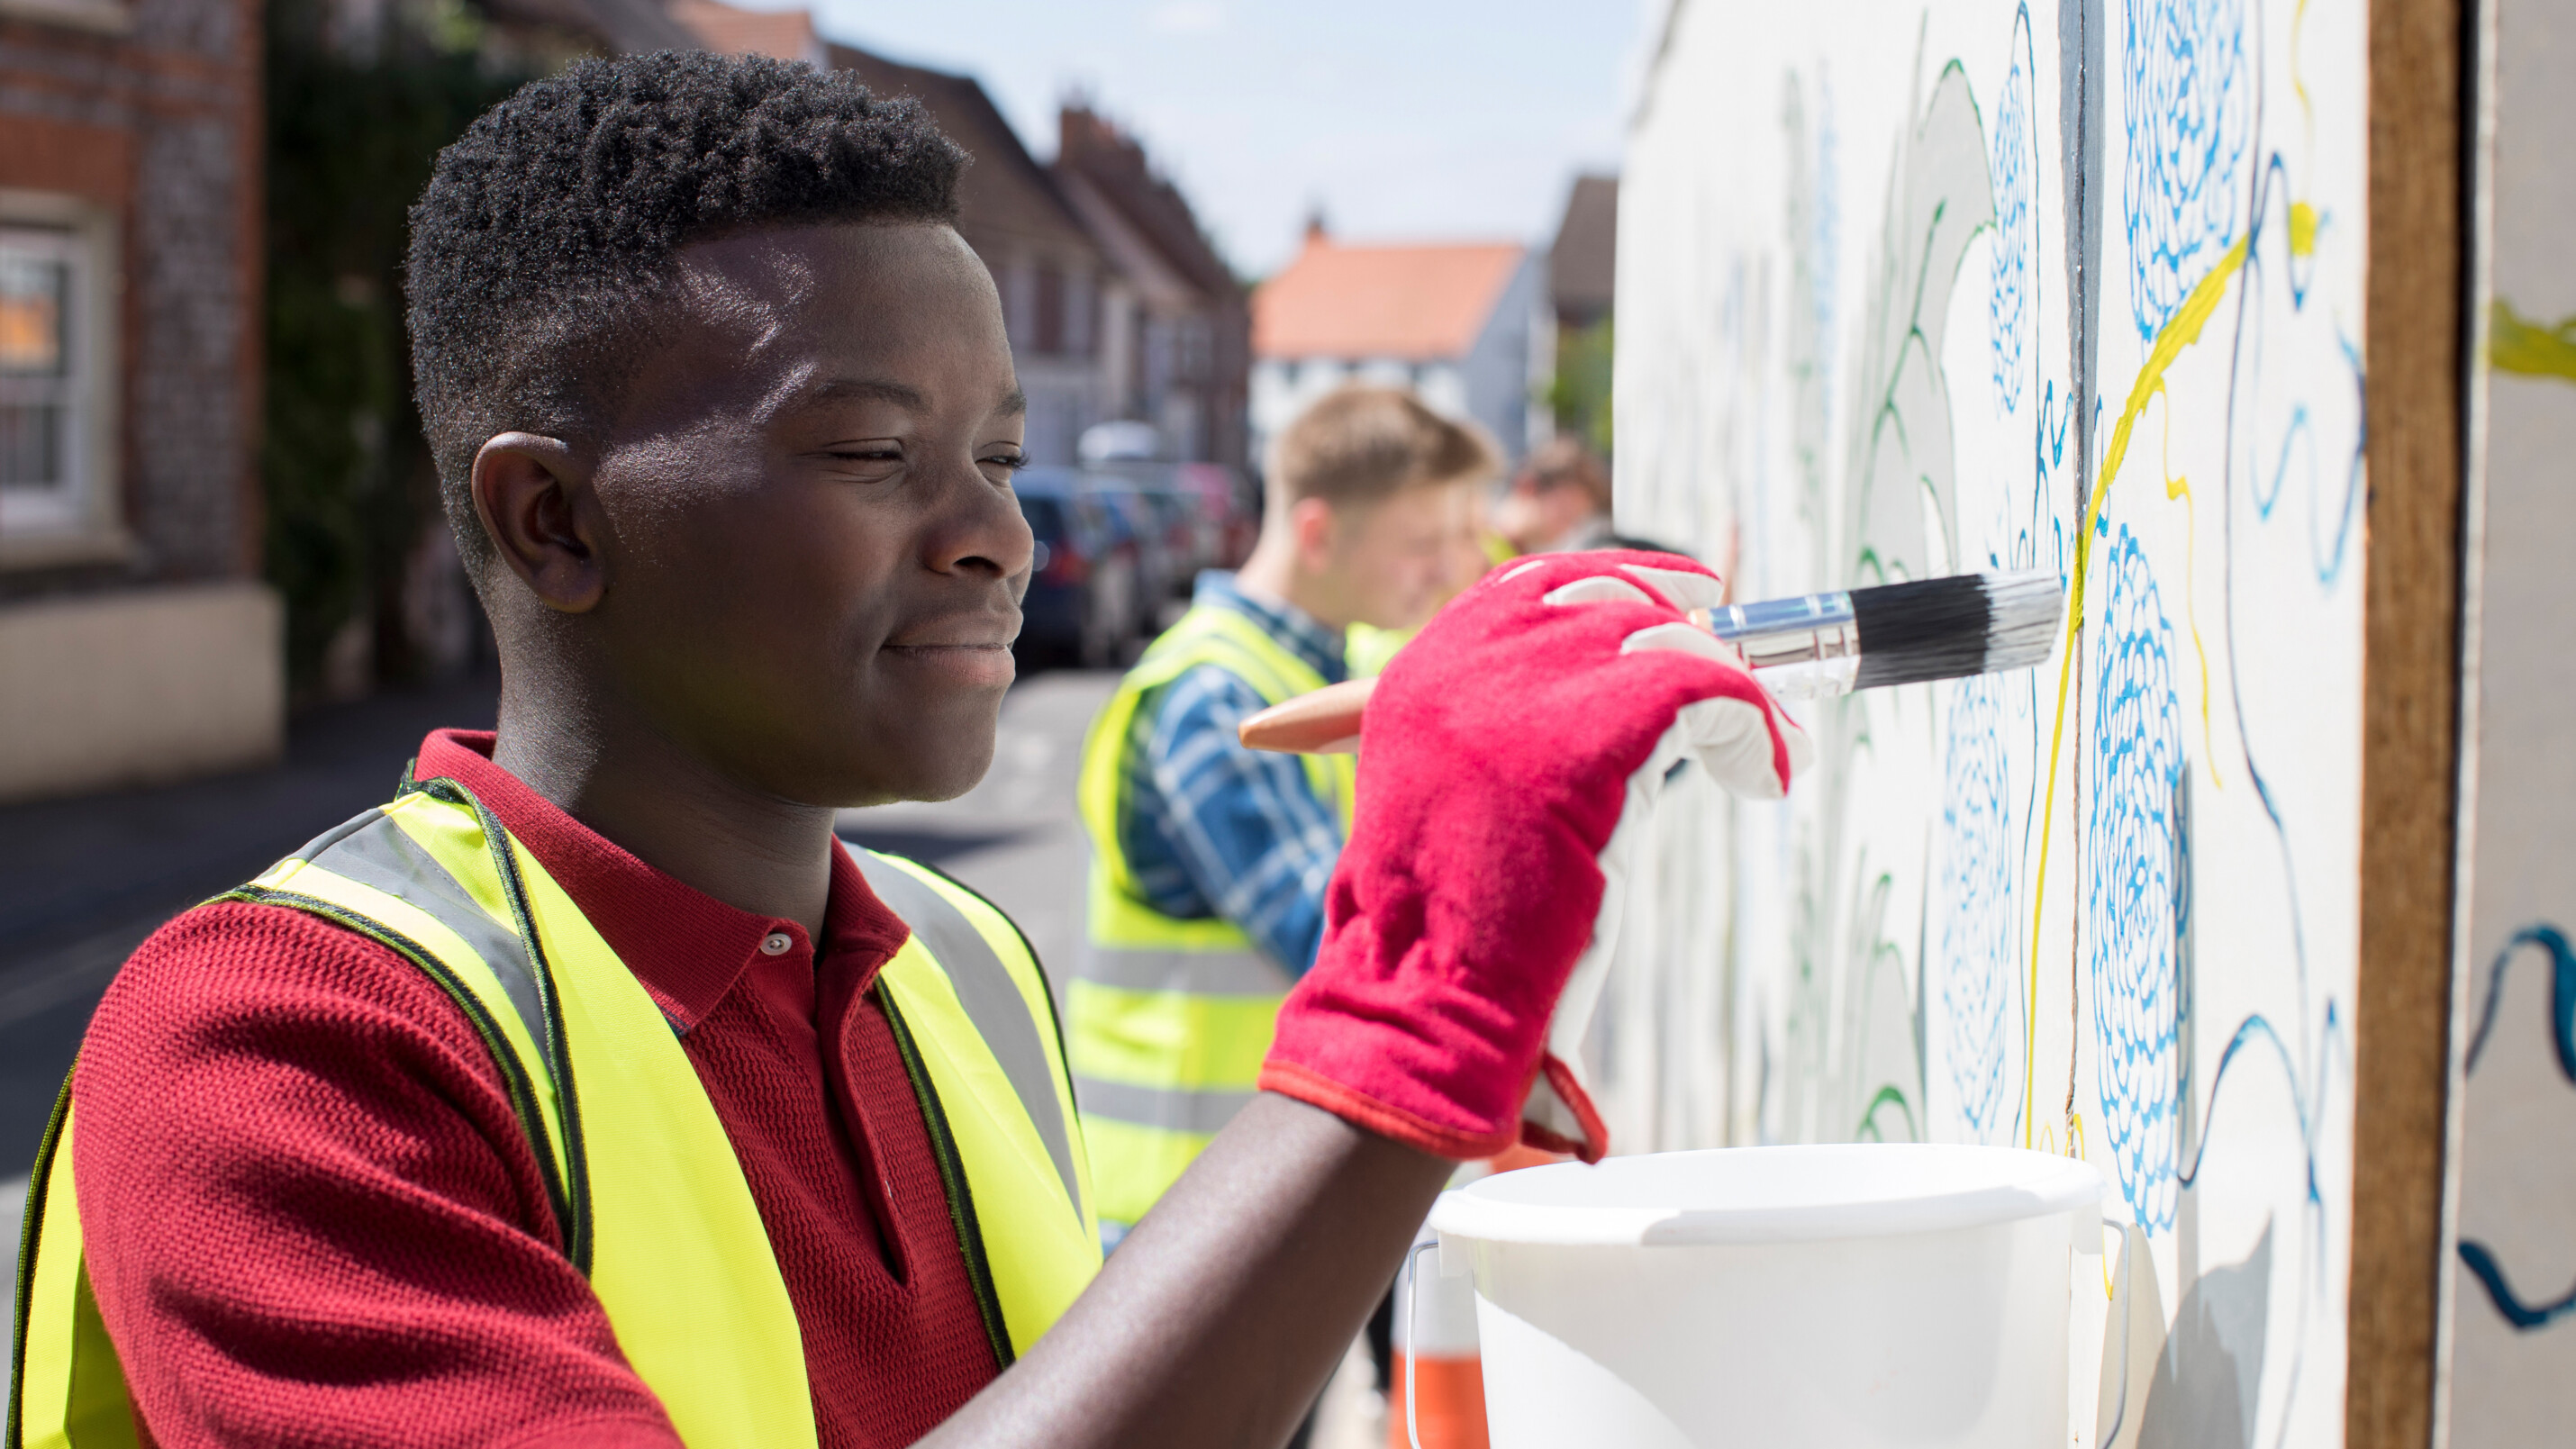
(1398, 560)
(817, 556)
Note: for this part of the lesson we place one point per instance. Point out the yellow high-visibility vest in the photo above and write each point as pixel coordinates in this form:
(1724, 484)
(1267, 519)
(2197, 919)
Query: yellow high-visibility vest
(644, 1183)
(1170, 1016)
(1368, 649)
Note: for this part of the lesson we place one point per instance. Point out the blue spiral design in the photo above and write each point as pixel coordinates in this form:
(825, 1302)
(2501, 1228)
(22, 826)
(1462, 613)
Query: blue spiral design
(2008, 302)
(2189, 103)
(1975, 907)
(2132, 880)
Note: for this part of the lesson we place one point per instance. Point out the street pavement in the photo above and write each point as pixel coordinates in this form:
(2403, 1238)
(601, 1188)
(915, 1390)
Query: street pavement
(84, 880)
(87, 879)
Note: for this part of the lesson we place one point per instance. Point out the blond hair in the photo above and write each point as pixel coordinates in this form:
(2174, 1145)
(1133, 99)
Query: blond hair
(1364, 445)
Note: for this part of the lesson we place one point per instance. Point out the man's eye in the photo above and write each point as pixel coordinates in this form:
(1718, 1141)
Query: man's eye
(1013, 461)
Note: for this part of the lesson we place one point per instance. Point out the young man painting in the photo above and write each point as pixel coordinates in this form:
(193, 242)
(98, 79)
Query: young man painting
(589, 1092)
(1209, 860)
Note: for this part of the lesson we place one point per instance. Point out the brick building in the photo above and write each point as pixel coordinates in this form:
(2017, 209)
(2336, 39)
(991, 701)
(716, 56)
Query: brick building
(1052, 273)
(1177, 328)
(1116, 304)
(136, 641)
(1583, 264)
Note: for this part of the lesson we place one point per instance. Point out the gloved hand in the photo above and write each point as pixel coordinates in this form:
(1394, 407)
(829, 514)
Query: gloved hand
(1508, 760)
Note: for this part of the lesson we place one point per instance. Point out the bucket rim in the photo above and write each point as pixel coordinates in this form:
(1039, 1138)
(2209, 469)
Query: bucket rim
(2024, 1185)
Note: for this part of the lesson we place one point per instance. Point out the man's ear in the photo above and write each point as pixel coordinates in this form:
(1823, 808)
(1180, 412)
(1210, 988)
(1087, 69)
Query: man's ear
(1312, 523)
(534, 498)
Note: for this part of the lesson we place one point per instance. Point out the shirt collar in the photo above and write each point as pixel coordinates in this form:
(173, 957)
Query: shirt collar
(685, 946)
(1301, 633)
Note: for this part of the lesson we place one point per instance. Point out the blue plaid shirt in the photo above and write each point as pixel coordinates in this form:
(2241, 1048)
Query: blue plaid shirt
(1214, 829)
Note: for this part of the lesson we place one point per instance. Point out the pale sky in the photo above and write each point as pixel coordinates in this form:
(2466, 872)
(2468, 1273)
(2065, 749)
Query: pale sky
(1406, 120)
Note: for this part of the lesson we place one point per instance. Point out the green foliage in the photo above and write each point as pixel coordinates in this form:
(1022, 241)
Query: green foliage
(350, 143)
(1580, 394)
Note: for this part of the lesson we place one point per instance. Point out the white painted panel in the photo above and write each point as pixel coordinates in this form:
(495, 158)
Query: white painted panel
(1900, 296)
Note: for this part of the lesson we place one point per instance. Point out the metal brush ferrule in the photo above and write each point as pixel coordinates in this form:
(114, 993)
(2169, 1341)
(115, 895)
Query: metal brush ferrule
(1804, 648)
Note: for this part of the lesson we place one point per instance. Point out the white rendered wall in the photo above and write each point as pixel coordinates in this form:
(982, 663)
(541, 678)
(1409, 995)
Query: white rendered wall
(1916, 289)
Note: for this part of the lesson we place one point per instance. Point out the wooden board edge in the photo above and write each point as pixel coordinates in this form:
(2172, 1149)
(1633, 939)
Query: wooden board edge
(2415, 457)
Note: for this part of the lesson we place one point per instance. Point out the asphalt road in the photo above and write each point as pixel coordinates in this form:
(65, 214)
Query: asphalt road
(83, 881)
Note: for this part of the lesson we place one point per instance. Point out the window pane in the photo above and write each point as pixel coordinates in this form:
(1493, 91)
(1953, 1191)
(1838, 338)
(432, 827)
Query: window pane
(35, 315)
(31, 447)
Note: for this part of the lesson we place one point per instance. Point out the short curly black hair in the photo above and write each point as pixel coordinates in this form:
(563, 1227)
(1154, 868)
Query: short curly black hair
(547, 228)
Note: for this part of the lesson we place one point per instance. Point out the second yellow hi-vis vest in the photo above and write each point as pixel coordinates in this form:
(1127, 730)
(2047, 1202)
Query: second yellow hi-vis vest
(646, 1190)
(1170, 1017)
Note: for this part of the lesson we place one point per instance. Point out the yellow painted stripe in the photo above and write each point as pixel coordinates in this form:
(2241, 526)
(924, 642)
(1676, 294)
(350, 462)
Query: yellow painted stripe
(2179, 333)
(2519, 345)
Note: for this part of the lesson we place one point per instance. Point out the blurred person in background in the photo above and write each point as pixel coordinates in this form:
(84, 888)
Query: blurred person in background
(1210, 859)
(1474, 548)
(1560, 501)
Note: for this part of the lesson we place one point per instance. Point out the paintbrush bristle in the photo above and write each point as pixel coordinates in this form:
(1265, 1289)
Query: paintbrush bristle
(2026, 609)
(1953, 627)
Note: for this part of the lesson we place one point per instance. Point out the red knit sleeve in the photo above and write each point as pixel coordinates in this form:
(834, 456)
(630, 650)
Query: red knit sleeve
(311, 1215)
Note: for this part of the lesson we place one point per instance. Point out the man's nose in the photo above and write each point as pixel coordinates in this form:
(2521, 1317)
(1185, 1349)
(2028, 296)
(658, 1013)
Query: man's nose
(981, 530)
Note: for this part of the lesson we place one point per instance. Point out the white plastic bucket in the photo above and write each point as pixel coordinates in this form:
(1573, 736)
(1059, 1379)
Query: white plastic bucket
(1847, 1296)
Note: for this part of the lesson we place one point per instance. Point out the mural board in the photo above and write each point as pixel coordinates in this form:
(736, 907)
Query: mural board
(1911, 291)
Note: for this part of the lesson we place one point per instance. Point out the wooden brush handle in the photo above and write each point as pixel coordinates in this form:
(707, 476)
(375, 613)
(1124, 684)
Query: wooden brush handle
(1326, 722)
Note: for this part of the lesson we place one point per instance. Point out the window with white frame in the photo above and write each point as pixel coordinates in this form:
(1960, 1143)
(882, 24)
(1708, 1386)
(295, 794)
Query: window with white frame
(52, 381)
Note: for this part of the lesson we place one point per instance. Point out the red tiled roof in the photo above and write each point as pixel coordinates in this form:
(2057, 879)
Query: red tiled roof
(1410, 302)
(782, 34)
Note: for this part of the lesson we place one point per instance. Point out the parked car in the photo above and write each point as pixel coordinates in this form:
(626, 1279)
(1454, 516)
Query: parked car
(1158, 520)
(1227, 505)
(1085, 598)
(1186, 519)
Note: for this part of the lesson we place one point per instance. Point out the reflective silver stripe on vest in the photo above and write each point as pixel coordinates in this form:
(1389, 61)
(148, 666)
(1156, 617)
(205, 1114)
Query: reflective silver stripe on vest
(1170, 1108)
(374, 851)
(991, 998)
(1231, 972)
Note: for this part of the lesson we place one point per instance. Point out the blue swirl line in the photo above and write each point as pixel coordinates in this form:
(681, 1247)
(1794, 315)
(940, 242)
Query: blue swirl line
(2276, 169)
(2330, 564)
(2562, 1012)
(2562, 995)
(2298, 427)
(2255, 1028)
(2521, 1315)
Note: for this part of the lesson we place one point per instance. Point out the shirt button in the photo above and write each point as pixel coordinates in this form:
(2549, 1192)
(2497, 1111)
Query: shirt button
(776, 943)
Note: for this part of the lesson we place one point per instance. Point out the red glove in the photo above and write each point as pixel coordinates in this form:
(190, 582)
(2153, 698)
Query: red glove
(1507, 761)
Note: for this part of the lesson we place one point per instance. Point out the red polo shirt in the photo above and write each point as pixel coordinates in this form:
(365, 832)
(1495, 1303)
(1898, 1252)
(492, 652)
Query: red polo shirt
(312, 1217)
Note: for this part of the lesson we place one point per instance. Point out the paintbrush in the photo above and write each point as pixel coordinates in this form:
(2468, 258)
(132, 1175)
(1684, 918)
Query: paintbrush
(1808, 647)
